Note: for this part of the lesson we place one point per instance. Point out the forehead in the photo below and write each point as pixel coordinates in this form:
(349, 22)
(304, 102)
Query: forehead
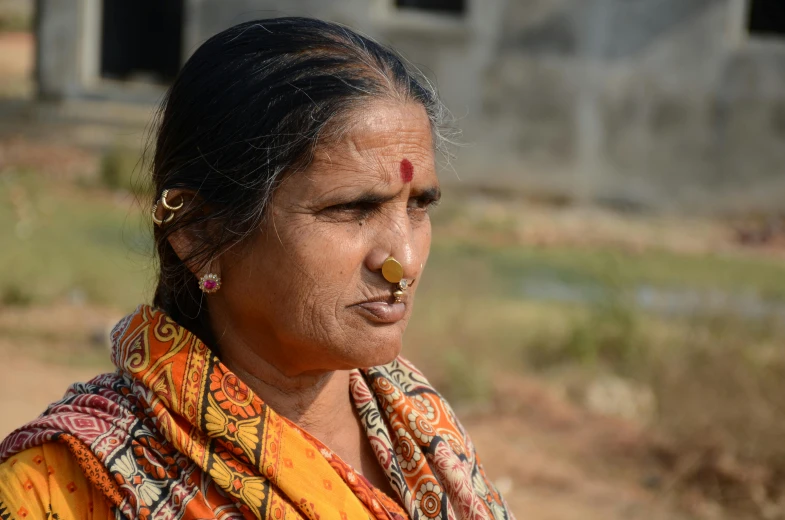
(377, 138)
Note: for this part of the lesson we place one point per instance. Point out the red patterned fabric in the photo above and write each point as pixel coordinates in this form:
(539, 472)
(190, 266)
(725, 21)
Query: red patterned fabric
(174, 434)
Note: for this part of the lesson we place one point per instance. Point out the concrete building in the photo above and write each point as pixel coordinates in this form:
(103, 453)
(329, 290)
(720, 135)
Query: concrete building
(663, 104)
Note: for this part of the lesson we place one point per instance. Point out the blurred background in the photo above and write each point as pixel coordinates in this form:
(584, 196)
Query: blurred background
(605, 300)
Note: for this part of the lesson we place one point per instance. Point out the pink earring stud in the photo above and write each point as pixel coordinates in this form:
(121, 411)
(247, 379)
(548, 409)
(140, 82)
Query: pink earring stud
(210, 283)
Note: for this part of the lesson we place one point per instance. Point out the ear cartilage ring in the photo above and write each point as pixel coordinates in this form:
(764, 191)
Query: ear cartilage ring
(166, 205)
(159, 221)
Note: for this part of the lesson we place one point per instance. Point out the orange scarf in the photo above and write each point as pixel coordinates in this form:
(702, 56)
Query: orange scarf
(174, 434)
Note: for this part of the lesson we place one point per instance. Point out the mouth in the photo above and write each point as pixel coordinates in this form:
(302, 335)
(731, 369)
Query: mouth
(382, 309)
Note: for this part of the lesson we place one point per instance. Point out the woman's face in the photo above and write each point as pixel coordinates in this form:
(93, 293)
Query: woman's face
(298, 294)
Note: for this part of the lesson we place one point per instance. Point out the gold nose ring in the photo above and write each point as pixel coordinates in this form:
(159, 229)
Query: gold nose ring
(392, 270)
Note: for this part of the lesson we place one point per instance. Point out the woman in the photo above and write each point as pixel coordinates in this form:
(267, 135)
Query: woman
(294, 169)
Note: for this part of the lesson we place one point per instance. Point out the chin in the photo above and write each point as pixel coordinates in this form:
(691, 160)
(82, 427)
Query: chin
(375, 350)
(370, 344)
(383, 357)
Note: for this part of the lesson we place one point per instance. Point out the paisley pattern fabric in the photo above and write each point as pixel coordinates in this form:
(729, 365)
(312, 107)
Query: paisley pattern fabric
(174, 434)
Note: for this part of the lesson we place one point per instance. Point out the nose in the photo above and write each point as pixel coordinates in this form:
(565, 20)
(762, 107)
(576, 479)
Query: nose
(397, 243)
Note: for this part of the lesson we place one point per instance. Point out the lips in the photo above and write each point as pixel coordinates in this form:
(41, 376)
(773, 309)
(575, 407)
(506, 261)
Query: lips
(382, 311)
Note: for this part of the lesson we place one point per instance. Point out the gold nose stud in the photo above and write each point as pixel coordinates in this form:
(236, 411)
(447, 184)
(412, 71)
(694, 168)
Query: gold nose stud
(392, 270)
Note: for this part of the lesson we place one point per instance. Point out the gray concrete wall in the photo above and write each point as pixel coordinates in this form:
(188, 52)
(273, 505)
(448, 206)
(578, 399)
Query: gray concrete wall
(681, 113)
(662, 104)
(58, 48)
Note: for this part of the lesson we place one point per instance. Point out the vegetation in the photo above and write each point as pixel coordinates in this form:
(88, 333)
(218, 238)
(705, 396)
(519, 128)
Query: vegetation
(489, 306)
(14, 21)
(121, 169)
(64, 241)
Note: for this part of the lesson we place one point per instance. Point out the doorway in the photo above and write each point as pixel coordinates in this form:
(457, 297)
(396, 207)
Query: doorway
(141, 40)
(766, 18)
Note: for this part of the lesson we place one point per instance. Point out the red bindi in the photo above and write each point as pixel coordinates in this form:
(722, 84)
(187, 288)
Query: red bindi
(407, 170)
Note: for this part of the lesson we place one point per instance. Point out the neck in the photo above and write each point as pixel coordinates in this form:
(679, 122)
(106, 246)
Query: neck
(313, 401)
(310, 401)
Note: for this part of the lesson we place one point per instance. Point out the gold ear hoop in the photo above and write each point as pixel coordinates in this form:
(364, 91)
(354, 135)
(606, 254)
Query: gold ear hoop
(156, 220)
(159, 221)
(166, 204)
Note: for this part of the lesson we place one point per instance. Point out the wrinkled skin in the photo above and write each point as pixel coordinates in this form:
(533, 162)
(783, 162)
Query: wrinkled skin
(290, 295)
(286, 317)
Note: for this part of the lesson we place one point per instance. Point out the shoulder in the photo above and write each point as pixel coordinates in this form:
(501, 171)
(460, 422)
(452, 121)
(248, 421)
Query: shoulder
(46, 482)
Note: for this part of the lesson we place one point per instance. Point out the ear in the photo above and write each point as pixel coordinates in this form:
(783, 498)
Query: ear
(184, 239)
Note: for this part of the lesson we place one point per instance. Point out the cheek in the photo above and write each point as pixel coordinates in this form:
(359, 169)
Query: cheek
(324, 254)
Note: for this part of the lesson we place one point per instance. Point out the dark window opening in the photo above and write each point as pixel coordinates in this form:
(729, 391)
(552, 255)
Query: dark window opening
(767, 18)
(441, 6)
(141, 39)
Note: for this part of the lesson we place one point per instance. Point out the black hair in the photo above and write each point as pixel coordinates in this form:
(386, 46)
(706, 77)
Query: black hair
(247, 109)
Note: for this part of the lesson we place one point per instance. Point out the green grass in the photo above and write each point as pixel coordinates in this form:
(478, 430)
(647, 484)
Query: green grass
(64, 241)
(508, 266)
(13, 21)
(62, 237)
(473, 301)
(123, 169)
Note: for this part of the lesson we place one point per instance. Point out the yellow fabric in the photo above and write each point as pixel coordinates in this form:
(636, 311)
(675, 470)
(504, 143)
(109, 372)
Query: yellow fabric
(46, 482)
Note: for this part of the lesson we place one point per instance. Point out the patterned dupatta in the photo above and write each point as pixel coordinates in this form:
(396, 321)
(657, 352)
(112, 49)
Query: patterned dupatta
(174, 434)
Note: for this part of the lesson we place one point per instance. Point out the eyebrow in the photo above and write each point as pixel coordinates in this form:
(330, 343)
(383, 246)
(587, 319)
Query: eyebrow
(374, 198)
(433, 193)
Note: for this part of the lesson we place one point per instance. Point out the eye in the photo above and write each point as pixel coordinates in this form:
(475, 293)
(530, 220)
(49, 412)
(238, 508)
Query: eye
(422, 203)
(358, 209)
